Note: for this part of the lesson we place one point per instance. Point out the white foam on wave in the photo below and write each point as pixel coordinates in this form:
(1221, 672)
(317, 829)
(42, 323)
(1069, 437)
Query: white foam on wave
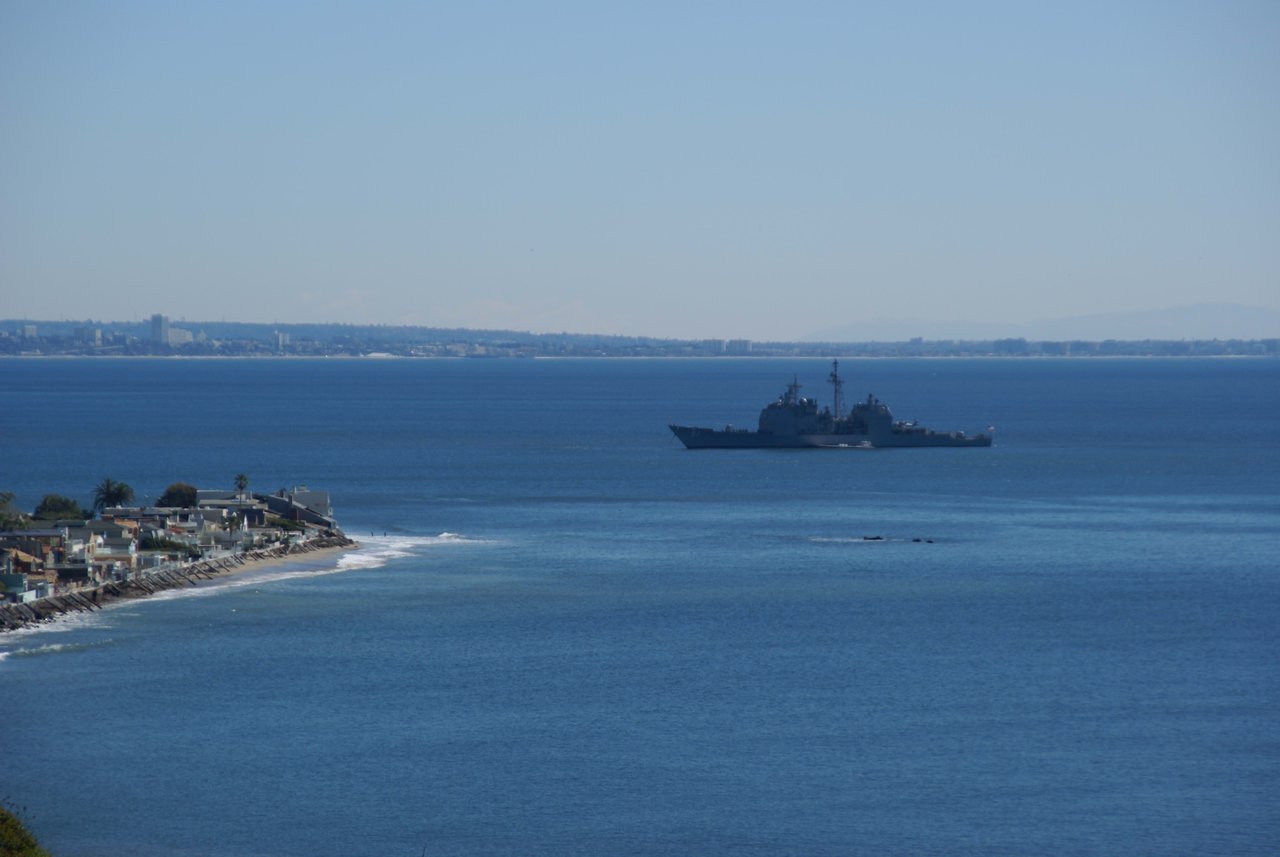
(19, 641)
(377, 551)
(861, 540)
(373, 552)
(65, 622)
(47, 649)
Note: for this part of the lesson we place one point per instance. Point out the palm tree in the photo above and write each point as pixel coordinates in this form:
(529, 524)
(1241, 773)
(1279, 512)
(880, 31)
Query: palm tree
(242, 482)
(111, 493)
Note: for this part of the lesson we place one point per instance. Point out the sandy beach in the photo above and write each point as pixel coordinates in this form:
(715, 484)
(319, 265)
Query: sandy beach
(202, 572)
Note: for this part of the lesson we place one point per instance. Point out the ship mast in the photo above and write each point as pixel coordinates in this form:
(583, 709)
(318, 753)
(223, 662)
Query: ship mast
(793, 391)
(837, 385)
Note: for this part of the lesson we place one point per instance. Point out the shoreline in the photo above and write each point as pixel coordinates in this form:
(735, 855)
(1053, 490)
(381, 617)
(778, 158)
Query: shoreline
(14, 617)
(842, 354)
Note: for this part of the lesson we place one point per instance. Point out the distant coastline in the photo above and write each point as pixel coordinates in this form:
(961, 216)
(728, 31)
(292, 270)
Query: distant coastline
(158, 338)
(1138, 354)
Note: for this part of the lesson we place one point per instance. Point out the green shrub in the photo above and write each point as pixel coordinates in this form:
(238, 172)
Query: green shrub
(179, 495)
(55, 507)
(15, 840)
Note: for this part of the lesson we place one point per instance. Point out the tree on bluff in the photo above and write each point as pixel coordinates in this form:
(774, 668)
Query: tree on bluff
(55, 507)
(179, 495)
(110, 493)
(11, 517)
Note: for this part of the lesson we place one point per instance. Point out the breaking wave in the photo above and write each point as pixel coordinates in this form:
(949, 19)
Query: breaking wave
(376, 551)
(66, 622)
(373, 552)
(47, 649)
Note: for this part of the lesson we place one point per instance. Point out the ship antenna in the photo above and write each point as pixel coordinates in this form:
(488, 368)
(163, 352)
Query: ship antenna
(837, 385)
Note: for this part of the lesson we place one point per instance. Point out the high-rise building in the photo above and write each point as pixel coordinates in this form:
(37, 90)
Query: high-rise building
(160, 329)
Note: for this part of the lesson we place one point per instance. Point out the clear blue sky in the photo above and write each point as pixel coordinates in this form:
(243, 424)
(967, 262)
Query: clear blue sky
(681, 169)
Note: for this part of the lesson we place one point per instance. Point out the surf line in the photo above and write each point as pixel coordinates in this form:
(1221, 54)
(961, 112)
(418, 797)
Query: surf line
(22, 615)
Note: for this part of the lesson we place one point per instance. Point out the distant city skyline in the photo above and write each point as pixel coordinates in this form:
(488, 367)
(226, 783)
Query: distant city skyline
(1199, 322)
(686, 171)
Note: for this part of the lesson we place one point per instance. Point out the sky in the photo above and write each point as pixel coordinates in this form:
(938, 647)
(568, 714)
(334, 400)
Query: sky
(691, 170)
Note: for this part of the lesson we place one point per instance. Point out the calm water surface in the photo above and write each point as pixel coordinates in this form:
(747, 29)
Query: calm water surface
(565, 634)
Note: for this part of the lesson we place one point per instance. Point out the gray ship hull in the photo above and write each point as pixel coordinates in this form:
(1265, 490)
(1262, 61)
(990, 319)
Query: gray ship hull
(795, 422)
(912, 437)
(696, 437)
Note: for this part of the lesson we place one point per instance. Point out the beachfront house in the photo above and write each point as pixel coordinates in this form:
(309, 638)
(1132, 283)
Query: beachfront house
(75, 576)
(12, 586)
(20, 588)
(44, 545)
(114, 558)
(301, 505)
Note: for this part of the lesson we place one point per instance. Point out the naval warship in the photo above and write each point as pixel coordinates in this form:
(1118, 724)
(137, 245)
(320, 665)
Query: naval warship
(795, 422)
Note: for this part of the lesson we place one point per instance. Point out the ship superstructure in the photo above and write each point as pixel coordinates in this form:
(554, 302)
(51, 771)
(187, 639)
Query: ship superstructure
(795, 422)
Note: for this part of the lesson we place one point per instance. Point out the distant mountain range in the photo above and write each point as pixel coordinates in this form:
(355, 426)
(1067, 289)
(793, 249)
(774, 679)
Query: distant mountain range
(1198, 321)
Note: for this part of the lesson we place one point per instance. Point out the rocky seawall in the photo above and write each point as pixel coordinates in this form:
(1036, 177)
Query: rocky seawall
(14, 616)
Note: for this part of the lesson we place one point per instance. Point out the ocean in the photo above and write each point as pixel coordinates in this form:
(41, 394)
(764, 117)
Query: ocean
(565, 634)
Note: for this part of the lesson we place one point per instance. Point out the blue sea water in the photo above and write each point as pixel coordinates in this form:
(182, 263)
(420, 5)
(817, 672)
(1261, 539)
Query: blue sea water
(565, 634)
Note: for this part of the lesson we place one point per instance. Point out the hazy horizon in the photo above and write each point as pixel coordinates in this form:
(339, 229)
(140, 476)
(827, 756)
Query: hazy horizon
(1196, 322)
(710, 171)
